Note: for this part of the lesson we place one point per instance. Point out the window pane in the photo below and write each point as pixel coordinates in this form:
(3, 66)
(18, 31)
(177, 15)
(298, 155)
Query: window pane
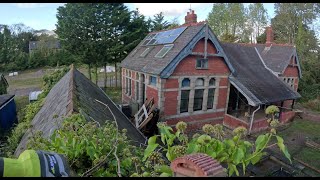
(164, 51)
(184, 101)
(186, 82)
(153, 80)
(199, 82)
(212, 82)
(145, 52)
(198, 98)
(202, 63)
(210, 98)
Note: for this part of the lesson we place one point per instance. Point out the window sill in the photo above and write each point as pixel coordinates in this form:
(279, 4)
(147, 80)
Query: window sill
(202, 68)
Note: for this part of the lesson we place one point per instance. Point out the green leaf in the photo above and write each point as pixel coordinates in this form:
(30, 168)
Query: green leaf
(152, 140)
(169, 156)
(283, 148)
(73, 143)
(149, 150)
(230, 142)
(192, 148)
(247, 143)
(146, 174)
(232, 168)
(165, 175)
(90, 152)
(213, 154)
(163, 168)
(238, 155)
(261, 141)
(256, 159)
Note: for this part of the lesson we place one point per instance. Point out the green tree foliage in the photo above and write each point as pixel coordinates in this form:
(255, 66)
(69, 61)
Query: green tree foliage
(257, 17)
(158, 23)
(291, 24)
(227, 20)
(14, 49)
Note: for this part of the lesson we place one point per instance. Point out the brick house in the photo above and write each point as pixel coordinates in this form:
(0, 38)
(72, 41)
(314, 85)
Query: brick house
(193, 77)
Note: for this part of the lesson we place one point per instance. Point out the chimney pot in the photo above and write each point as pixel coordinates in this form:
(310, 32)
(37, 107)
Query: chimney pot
(190, 18)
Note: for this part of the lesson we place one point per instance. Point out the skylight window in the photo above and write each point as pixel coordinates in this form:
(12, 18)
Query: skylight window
(148, 39)
(145, 52)
(164, 51)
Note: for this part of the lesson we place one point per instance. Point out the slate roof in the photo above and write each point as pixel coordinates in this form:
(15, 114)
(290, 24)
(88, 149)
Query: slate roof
(72, 94)
(5, 98)
(153, 65)
(48, 44)
(253, 80)
(277, 57)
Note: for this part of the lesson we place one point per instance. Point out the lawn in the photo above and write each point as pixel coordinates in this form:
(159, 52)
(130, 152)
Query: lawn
(296, 134)
(114, 93)
(27, 79)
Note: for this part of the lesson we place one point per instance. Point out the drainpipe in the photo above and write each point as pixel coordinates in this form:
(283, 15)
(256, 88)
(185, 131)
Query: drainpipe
(252, 119)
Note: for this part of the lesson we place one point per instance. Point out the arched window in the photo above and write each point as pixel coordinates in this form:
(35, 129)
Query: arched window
(199, 82)
(185, 82)
(212, 82)
(184, 100)
(198, 95)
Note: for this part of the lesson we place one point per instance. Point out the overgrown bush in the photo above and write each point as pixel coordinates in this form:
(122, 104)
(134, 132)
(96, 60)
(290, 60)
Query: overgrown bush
(87, 144)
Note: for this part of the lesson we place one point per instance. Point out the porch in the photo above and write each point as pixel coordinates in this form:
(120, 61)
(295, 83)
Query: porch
(240, 113)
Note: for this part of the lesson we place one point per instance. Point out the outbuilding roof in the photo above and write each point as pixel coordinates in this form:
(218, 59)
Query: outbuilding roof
(75, 93)
(4, 99)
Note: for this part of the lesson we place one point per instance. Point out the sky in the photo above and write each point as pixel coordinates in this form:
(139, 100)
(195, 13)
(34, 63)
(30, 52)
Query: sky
(43, 15)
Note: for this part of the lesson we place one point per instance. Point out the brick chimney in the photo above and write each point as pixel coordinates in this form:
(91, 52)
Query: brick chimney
(269, 39)
(190, 18)
(197, 165)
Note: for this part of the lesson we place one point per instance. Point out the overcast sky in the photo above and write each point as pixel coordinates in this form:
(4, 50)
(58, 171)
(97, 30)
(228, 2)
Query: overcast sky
(43, 15)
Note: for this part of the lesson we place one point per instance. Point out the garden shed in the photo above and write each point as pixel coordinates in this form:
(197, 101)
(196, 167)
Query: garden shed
(8, 114)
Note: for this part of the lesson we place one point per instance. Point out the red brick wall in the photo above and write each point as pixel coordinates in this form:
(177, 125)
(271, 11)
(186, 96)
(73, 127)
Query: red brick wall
(152, 93)
(222, 99)
(291, 71)
(171, 83)
(196, 122)
(199, 47)
(233, 122)
(171, 107)
(287, 116)
(259, 125)
(187, 67)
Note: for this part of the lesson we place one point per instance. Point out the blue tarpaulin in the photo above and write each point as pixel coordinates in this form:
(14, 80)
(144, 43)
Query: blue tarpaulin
(8, 113)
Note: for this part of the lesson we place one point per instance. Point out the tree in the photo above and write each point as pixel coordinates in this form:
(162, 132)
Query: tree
(227, 20)
(159, 23)
(258, 17)
(78, 30)
(286, 21)
(174, 23)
